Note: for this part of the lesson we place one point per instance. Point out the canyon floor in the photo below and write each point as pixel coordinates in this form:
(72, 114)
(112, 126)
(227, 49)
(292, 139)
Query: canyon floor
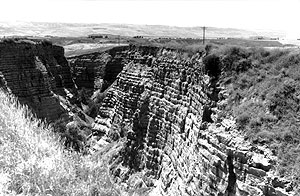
(138, 116)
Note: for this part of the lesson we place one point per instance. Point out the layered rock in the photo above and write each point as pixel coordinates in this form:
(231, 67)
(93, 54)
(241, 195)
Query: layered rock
(97, 71)
(36, 72)
(160, 103)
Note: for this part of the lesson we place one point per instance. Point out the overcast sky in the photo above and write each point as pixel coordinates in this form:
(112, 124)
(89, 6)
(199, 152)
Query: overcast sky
(244, 14)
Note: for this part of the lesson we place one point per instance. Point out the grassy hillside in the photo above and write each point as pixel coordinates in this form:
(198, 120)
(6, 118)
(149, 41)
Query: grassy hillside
(263, 90)
(33, 161)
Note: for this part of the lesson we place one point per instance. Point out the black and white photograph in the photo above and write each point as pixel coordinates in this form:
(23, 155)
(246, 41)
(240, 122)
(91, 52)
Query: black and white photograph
(149, 98)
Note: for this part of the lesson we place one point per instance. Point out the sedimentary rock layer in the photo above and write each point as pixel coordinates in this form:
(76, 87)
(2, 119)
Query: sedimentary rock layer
(160, 104)
(36, 72)
(97, 70)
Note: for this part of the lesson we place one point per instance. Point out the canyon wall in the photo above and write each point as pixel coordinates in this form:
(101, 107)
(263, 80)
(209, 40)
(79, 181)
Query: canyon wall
(37, 73)
(175, 143)
(97, 71)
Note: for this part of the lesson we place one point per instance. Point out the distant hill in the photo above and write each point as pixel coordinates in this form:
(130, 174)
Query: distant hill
(80, 29)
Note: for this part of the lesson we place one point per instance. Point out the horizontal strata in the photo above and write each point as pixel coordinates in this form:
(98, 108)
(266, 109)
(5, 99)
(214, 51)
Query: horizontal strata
(157, 103)
(99, 70)
(35, 72)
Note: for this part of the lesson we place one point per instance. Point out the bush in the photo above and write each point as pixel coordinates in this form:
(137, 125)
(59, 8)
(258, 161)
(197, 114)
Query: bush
(243, 120)
(9, 40)
(46, 42)
(212, 65)
(236, 59)
(71, 134)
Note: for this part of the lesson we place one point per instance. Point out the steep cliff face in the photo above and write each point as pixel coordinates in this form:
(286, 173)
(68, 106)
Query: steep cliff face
(36, 72)
(163, 105)
(97, 71)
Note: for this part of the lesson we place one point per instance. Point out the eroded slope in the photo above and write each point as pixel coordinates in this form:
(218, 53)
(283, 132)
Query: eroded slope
(163, 107)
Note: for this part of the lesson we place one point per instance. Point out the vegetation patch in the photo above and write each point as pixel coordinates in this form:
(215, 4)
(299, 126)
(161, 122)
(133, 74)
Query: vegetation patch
(264, 95)
(34, 162)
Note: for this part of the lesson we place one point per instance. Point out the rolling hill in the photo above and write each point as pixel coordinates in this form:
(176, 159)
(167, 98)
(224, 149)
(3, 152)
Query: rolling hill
(81, 29)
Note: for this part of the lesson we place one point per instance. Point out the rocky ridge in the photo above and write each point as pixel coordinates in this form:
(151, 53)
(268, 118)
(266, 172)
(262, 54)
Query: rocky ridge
(161, 103)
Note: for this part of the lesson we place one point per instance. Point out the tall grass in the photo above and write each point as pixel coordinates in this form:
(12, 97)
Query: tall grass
(33, 162)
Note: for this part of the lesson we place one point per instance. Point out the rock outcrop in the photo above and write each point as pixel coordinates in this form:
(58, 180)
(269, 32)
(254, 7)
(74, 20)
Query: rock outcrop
(97, 71)
(36, 72)
(174, 141)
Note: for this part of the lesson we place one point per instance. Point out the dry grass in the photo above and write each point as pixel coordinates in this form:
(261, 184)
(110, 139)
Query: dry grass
(33, 162)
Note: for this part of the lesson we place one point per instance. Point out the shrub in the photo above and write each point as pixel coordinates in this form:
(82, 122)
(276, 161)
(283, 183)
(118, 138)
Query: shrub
(83, 96)
(243, 120)
(74, 137)
(236, 59)
(46, 42)
(9, 40)
(212, 65)
(71, 133)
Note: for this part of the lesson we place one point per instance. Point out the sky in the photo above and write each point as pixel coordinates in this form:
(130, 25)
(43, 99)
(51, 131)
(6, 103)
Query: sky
(280, 15)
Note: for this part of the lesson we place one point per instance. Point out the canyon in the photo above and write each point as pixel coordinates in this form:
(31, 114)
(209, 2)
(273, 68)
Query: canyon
(166, 107)
(160, 106)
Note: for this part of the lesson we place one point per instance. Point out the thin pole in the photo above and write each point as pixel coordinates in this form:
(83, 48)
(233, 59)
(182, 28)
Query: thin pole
(204, 35)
